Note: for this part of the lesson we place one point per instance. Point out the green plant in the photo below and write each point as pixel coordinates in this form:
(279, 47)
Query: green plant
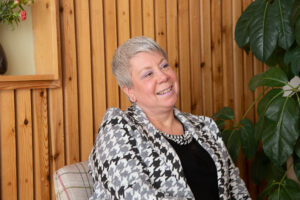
(271, 30)
(12, 11)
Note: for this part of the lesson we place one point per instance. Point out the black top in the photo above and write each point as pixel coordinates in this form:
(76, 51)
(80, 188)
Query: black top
(199, 169)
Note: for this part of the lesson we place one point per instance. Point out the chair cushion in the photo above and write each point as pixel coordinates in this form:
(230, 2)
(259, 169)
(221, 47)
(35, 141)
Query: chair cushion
(73, 182)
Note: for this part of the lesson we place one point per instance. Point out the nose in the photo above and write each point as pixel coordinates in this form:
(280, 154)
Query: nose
(162, 76)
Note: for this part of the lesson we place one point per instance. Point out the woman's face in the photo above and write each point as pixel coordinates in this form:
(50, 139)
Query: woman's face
(154, 82)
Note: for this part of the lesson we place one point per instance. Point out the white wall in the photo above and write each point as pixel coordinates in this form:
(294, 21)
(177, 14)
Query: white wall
(19, 47)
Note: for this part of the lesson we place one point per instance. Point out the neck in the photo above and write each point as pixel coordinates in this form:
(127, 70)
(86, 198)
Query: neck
(166, 122)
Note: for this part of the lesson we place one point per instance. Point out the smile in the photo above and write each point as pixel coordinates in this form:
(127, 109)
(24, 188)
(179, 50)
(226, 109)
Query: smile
(166, 91)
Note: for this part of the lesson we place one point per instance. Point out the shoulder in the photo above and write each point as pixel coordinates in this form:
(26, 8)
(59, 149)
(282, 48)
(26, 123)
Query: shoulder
(204, 123)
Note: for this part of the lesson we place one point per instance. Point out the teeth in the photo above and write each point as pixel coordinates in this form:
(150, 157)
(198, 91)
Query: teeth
(165, 91)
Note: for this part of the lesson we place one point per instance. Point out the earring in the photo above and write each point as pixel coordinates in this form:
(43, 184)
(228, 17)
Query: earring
(132, 98)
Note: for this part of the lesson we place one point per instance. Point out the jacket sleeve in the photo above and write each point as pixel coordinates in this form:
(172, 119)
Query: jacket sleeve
(237, 188)
(117, 168)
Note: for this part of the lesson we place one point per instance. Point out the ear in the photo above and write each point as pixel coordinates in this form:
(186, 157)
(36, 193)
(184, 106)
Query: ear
(130, 93)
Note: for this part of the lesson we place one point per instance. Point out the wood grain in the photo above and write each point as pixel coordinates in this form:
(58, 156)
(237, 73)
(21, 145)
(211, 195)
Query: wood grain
(9, 187)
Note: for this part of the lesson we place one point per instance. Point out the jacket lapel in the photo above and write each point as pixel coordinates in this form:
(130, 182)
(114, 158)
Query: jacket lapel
(158, 143)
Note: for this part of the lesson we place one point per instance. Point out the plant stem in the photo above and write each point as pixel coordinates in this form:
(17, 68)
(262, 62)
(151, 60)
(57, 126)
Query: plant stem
(254, 102)
(285, 173)
(251, 106)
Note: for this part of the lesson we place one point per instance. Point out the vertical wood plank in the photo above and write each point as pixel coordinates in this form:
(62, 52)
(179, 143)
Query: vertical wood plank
(172, 38)
(148, 18)
(227, 52)
(216, 54)
(237, 63)
(84, 78)
(98, 62)
(111, 45)
(248, 73)
(57, 140)
(184, 55)
(41, 144)
(123, 35)
(69, 65)
(196, 76)
(136, 18)
(8, 146)
(24, 144)
(206, 57)
(160, 23)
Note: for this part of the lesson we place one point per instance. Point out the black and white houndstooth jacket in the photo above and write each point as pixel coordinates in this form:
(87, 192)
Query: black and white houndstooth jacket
(132, 160)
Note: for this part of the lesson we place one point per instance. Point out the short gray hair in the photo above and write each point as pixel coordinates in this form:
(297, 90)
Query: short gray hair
(133, 46)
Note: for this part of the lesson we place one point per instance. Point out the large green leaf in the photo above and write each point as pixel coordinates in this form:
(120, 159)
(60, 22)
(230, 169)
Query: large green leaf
(297, 148)
(259, 167)
(232, 141)
(276, 57)
(288, 190)
(295, 12)
(286, 35)
(224, 113)
(273, 77)
(267, 190)
(297, 31)
(297, 166)
(262, 108)
(292, 57)
(242, 26)
(248, 141)
(281, 129)
(267, 99)
(263, 32)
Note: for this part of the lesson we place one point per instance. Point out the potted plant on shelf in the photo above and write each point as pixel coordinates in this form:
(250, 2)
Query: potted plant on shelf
(271, 30)
(11, 12)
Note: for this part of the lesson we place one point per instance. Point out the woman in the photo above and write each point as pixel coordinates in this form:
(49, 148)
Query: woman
(152, 150)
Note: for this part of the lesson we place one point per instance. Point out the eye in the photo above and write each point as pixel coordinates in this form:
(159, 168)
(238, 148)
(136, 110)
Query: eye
(165, 65)
(147, 74)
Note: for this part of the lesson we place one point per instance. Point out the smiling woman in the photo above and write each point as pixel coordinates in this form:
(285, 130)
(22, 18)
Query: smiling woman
(152, 150)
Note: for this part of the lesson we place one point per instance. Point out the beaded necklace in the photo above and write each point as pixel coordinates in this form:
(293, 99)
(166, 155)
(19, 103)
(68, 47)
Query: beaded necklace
(179, 139)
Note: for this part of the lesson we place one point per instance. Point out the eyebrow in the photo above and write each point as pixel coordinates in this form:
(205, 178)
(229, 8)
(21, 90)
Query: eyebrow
(147, 67)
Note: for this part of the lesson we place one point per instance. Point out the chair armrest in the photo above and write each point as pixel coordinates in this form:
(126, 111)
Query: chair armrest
(73, 182)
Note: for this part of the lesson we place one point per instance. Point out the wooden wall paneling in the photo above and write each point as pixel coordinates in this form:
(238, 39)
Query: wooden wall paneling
(98, 62)
(148, 18)
(136, 18)
(110, 46)
(237, 63)
(41, 144)
(227, 54)
(160, 23)
(69, 66)
(123, 35)
(84, 78)
(216, 54)
(24, 144)
(184, 55)
(57, 140)
(172, 38)
(248, 73)
(205, 23)
(195, 45)
(8, 152)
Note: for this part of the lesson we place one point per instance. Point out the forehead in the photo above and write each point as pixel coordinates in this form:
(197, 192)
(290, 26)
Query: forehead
(143, 58)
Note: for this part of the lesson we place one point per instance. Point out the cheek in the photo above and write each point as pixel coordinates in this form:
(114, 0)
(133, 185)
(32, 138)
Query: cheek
(174, 76)
(146, 87)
